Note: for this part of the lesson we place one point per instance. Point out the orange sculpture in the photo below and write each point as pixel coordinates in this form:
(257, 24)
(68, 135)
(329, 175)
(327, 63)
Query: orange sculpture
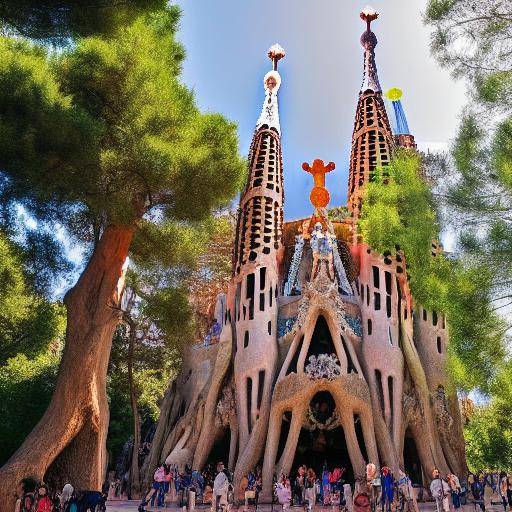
(319, 196)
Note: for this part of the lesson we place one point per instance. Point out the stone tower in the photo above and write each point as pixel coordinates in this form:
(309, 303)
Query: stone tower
(319, 354)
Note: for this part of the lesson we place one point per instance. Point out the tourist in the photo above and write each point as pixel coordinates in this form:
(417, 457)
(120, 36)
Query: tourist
(477, 490)
(310, 488)
(65, 497)
(299, 486)
(455, 489)
(440, 490)
(27, 493)
(158, 486)
(326, 486)
(388, 486)
(488, 491)
(502, 489)
(509, 491)
(43, 501)
(406, 492)
(220, 489)
(284, 492)
(249, 488)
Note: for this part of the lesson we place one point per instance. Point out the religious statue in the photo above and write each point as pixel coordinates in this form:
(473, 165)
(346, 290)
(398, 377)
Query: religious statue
(322, 245)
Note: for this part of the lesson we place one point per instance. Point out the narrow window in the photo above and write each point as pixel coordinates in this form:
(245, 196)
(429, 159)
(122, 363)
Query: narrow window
(439, 346)
(376, 277)
(376, 301)
(444, 321)
(388, 305)
(249, 402)
(434, 317)
(367, 295)
(369, 326)
(261, 384)
(249, 291)
(269, 327)
(262, 302)
(390, 338)
(270, 298)
(390, 392)
(380, 391)
(263, 275)
(362, 293)
(251, 309)
(246, 339)
(425, 315)
(387, 276)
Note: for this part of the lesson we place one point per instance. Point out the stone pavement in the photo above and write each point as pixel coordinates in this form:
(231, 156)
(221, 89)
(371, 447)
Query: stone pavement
(128, 506)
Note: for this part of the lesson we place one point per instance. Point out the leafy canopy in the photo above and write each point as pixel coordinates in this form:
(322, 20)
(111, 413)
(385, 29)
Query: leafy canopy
(399, 213)
(105, 133)
(57, 21)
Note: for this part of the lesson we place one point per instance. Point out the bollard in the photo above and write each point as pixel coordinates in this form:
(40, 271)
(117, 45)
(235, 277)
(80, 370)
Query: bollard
(191, 501)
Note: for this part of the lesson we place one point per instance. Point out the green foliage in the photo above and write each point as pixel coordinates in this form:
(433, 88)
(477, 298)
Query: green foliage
(28, 322)
(488, 432)
(108, 133)
(399, 214)
(26, 386)
(58, 20)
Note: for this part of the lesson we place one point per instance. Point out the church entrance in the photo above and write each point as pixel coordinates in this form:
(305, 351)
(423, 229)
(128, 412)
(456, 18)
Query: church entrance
(412, 462)
(322, 440)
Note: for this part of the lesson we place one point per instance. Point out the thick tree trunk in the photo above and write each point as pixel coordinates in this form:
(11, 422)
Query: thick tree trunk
(134, 471)
(70, 437)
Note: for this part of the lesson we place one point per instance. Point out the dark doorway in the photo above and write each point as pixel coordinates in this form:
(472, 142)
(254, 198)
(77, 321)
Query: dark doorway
(321, 341)
(412, 460)
(220, 449)
(323, 444)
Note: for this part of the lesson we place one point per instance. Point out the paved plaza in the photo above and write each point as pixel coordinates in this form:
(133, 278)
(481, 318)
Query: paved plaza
(125, 506)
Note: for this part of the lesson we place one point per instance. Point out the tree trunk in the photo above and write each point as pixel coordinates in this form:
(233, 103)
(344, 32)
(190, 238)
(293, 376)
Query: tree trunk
(69, 440)
(134, 471)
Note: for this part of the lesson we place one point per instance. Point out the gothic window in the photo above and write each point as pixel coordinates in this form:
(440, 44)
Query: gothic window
(369, 326)
(434, 318)
(246, 339)
(262, 302)
(380, 390)
(261, 384)
(424, 314)
(376, 277)
(439, 346)
(263, 273)
(249, 402)
(269, 327)
(376, 301)
(388, 306)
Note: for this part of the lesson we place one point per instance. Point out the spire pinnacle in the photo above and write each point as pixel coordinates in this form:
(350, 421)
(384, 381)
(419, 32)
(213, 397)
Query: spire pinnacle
(275, 54)
(369, 42)
(269, 116)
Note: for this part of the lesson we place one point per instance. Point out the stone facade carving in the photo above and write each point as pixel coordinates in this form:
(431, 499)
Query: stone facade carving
(303, 331)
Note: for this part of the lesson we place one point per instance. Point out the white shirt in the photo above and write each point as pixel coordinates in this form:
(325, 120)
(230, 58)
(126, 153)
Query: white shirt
(438, 488)
(220, 484)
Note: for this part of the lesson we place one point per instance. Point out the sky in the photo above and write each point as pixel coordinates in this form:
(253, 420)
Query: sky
(227, 41)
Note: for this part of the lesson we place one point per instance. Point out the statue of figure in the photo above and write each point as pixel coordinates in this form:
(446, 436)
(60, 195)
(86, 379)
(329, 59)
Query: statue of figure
(322, 247)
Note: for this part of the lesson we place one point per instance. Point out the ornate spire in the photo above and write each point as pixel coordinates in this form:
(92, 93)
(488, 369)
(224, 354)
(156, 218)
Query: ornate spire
(369, 42)
(269, 116)
(372, 140)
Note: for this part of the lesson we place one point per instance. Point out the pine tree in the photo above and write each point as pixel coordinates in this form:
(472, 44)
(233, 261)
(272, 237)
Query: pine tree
(105, 140)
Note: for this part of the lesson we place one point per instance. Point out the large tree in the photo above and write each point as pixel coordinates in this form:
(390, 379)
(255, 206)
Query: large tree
(473, 39)
(104, 139)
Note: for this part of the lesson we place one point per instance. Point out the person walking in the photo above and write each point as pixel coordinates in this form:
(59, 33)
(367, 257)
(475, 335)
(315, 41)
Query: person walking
(299, 486)
(502, 490)
(455, 489)
(65, 497)
(284, 493)
(220, 489)
(440, 490)
(310, 486)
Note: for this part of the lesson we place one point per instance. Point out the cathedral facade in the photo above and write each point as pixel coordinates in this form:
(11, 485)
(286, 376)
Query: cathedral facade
(318, 355)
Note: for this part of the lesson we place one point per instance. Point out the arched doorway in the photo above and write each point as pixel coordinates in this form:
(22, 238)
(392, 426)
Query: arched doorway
(322, 440)
(412, 462)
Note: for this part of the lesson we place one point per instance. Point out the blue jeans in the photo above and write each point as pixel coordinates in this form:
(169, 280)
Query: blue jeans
(159, 494)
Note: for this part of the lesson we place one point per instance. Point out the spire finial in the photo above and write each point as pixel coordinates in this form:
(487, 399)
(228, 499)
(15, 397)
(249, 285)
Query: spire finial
(368, 14)
(275, 54)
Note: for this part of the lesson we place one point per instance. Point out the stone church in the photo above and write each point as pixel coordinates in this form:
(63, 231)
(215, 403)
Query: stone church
(318, 353)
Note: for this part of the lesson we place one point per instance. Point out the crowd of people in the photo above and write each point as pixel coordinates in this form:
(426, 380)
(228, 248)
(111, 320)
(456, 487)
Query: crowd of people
(33, 496)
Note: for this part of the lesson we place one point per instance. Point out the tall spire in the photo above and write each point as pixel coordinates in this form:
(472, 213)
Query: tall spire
(372, 140)
(369, 42)
(271, 82)
(260, 218)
